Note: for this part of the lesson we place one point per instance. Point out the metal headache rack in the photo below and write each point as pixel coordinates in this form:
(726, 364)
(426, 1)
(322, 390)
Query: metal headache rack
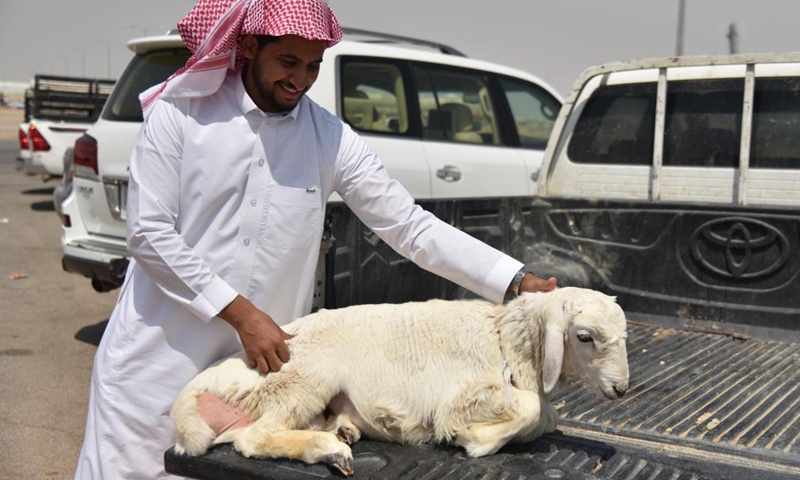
(378, 37)
(69, 98)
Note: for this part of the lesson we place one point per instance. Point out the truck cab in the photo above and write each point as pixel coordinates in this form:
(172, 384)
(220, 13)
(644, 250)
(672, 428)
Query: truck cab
(675, 185)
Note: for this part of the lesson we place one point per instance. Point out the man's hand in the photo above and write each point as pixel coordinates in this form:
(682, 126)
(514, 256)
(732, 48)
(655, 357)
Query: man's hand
(263, 340)
(532, 283)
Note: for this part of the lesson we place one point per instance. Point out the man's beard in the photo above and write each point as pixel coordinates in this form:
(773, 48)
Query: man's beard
(268, 92)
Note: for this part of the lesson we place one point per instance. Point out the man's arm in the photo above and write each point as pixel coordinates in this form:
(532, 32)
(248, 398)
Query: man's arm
(389, 210)
(177, 270)
(154, 191)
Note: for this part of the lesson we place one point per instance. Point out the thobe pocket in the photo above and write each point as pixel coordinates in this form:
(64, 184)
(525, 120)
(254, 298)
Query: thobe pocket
(293, 217)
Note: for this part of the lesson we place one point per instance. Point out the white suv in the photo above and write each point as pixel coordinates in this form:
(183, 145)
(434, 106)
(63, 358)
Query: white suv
(446, 126)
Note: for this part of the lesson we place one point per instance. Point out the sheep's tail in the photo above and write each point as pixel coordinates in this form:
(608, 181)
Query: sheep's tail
(194, 435)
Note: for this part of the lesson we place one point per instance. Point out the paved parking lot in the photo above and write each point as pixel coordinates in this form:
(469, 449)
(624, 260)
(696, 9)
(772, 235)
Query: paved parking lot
(50, 322)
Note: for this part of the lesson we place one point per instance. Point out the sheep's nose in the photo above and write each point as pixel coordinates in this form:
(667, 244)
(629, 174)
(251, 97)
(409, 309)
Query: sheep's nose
(620, 390)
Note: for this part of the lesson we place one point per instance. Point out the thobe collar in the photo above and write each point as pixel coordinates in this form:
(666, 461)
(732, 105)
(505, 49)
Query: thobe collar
(249, 106)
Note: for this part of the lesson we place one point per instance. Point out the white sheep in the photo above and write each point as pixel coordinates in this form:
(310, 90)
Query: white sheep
(467, 372)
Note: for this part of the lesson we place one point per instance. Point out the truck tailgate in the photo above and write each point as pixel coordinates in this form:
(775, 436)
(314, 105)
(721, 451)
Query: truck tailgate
(701, 405)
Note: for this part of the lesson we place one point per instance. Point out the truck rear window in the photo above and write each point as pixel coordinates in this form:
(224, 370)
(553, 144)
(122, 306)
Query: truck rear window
(703, 123)
(775, 141)
(617, 126)
(143, 72)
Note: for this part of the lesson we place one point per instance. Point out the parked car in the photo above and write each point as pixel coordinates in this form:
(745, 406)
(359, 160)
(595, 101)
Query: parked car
(61, 109)
(446, 126)
(24, 155)
(64, 187)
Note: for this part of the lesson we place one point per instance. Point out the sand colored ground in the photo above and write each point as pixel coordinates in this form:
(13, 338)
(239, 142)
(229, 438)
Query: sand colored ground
(10, 118)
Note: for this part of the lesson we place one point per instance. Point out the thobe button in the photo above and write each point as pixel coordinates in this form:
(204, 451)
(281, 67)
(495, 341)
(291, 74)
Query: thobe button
(260, 162)
(253, 203)
(246, 242)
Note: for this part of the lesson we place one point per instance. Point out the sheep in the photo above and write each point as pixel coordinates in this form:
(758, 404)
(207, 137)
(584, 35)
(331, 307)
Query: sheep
(466, 372)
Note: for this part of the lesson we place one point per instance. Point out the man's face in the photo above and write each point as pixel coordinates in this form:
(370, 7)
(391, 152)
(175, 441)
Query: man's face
(280, 73)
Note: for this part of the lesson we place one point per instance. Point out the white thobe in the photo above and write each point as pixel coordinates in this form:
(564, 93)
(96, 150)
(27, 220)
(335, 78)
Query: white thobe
(226, 200)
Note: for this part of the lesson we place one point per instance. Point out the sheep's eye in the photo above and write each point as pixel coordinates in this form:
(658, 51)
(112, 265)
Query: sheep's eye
(585, 337)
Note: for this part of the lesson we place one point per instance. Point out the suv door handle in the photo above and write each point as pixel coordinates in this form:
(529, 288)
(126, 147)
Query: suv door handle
(449, 173)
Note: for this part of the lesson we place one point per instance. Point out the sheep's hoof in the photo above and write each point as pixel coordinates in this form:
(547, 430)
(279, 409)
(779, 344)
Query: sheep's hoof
(341, 462)
(345, 435)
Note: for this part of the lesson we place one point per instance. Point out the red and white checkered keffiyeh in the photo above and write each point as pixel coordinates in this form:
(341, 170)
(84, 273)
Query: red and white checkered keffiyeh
(212, 29)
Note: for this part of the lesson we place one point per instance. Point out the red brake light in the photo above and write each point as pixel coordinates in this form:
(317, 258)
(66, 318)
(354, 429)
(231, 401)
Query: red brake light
(84, 155)
(24, 142)
(39, 143)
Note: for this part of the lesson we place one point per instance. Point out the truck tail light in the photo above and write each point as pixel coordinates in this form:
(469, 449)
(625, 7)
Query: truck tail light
(84, 157)
(38, 141)
(24, 142)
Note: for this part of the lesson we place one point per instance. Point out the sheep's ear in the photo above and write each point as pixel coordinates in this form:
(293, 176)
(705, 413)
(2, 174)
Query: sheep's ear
(553, 356)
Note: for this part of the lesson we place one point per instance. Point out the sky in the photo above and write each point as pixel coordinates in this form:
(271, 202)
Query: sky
(553, 39)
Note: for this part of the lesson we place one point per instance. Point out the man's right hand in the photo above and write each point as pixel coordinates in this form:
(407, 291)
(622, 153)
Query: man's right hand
(263, 340)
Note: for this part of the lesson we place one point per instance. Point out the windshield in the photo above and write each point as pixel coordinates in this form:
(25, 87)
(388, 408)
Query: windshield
(143, 72)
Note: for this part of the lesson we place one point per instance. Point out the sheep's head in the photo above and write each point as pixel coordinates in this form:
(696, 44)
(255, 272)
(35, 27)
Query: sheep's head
(586, 339)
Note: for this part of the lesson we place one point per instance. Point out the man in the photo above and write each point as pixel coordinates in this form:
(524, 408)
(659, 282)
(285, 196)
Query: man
(229, 178)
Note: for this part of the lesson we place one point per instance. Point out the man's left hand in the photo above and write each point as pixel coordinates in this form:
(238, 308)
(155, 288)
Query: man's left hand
(532, 283)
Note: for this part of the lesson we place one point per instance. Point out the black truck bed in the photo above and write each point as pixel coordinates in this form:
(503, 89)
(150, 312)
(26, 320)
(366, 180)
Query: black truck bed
(701, 405)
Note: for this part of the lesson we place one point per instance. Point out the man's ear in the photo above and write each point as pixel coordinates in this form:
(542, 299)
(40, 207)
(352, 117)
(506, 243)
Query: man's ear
(248, 46)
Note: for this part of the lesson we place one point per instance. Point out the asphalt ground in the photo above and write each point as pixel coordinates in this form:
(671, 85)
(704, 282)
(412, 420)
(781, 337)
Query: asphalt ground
(50, 324)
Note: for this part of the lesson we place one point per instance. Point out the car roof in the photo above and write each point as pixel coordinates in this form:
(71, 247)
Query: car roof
(142, 45)
(410, 52)
(386, 46)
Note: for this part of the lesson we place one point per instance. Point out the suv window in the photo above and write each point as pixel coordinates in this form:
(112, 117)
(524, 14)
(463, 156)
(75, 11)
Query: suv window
(703, 123)
(143, 72)
(456, 106)
(374, 97)
(775, 139)
(617, 126)
(534, 112)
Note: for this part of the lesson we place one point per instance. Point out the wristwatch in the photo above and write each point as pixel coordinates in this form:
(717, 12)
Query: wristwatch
(516, 282)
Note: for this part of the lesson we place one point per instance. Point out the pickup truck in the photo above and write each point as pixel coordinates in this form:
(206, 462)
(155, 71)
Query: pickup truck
(674, 184)
(58, 111)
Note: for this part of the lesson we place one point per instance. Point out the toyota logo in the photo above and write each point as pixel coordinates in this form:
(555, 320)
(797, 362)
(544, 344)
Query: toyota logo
(741, 243)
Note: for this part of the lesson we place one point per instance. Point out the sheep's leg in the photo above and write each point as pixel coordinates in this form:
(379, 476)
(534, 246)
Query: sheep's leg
(532, 416)
(341, 422)
(306, 445)
(291, 408)
(344, 429)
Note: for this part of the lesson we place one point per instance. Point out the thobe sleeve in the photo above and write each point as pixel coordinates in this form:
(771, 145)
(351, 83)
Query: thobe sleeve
(153, 207)
(387, 208)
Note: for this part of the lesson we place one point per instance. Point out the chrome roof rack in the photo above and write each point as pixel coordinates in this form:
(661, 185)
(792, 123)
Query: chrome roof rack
(389, 38)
